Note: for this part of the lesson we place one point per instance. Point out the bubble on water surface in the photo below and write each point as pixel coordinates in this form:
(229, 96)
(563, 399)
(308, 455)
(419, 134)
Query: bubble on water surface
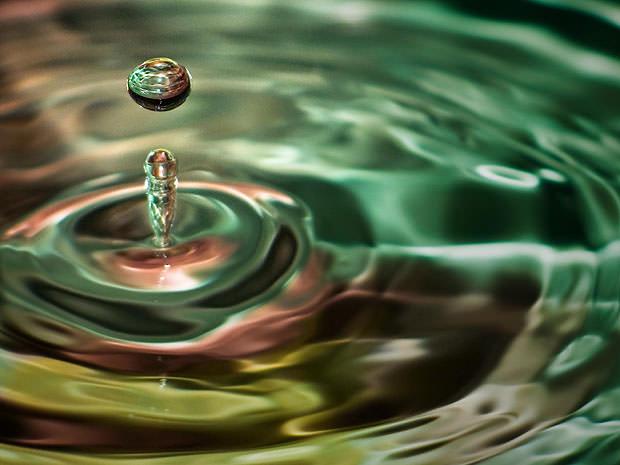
(159, 84)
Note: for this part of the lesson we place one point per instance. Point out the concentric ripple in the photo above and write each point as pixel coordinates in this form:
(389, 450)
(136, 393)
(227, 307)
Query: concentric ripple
(396, 237)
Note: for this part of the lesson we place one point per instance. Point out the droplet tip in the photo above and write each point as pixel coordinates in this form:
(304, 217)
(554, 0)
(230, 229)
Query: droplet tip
(160, 164)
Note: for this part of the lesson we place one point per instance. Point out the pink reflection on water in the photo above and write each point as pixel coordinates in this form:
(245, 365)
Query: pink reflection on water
(269, 326)
(171, 268)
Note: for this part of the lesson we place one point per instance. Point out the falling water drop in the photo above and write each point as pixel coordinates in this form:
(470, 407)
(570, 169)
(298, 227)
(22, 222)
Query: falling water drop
(160, 167)
(159, 84)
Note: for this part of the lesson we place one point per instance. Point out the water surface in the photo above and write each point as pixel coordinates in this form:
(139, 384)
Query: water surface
(396, 237)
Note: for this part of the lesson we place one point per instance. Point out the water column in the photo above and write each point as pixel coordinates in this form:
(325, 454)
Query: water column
(160, 84)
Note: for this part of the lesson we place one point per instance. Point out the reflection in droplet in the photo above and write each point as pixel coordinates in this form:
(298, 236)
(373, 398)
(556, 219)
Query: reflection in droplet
(159, 84)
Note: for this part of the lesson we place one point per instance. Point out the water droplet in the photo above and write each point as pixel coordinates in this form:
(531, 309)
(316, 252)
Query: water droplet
(159, 84)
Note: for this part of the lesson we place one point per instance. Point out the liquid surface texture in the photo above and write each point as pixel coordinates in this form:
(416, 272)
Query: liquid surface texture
(396, 236)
